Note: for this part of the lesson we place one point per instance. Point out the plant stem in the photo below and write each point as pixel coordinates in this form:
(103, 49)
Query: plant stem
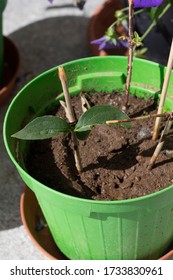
(138, 118)
(164, 92)
(161, 143)
(130, 55)
(71, 117)
(76, 152)
(151, 26)
(118, 21)
(154, 23)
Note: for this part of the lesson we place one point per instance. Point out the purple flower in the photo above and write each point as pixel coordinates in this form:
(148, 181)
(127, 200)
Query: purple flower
(147, 3)
(51, 1)
(105, 43)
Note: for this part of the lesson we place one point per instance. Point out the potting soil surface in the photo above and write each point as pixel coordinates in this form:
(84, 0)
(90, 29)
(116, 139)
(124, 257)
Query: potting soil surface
(114, 159)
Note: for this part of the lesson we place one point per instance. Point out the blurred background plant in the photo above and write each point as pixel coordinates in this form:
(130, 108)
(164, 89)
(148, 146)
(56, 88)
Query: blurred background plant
(111, 39)
(155, 10)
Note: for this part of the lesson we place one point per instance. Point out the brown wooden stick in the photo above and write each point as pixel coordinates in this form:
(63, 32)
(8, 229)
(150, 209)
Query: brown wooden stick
(63, 78)
(71, 116)
(161, 143)
(138, 118)
(163, 93)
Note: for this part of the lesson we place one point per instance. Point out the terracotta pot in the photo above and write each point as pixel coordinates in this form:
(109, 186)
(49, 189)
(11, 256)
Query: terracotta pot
(10, 71)
(102, 18)
(34, 223)
(168, 256)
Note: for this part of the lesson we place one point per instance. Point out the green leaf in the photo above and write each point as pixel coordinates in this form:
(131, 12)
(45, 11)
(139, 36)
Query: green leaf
(110, 32)
(83, 135)
(158, 12)
(140, 53)
(99, 115)
(151, 12)
(155, 12)
(43, 128)
(119, 14)
(137, 39)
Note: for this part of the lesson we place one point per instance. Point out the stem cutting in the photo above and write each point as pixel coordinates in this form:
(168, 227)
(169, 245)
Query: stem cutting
(71, 116)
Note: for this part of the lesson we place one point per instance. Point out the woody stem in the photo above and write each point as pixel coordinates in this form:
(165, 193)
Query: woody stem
(130, 55)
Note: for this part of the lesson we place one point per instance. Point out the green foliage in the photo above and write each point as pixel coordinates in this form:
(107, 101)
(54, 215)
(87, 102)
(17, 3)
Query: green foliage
(120, 17)
(49, 126)
(43, 128)
(140, 53)
(137, 39)
(110, 32)
(83, 135)
(111, 35)
(151, 12)
(155, 12)
(99, 115)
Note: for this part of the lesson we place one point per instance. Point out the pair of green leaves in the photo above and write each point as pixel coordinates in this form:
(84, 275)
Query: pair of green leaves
(137, 39)
(49, 126)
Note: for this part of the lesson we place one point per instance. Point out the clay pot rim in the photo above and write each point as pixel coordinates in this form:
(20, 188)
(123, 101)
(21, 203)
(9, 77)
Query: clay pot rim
(12, 60)
(166, 256)
(25, 223)
(92, 27)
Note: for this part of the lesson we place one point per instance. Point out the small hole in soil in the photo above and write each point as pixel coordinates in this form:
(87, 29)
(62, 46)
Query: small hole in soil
(98, 189)
(121, 179)
(116, 186)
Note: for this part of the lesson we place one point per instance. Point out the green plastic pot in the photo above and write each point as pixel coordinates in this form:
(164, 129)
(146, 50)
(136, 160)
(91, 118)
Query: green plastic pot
(140, 228)
(2, 7)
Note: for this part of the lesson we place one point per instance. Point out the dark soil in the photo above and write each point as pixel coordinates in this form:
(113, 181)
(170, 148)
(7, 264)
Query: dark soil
(114, 159)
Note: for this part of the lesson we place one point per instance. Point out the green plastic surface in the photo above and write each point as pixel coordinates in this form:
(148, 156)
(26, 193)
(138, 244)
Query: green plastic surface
(140, 228)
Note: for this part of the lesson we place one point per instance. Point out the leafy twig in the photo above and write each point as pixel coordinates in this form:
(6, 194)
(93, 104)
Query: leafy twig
(154, 22)
(138, 118)
(71, 117)
(119, 14)
(130, 55)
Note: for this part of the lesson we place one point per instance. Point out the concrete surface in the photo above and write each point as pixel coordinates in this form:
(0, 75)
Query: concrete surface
(46, 35)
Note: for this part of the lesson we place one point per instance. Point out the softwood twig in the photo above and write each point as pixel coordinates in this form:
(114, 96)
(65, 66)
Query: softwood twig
(163, 93)
(159, 146)
(130, 55)
(138, 118)
(71, 117)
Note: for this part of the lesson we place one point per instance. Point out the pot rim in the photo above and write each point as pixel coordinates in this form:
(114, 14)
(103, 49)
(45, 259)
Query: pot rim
(8, 85)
